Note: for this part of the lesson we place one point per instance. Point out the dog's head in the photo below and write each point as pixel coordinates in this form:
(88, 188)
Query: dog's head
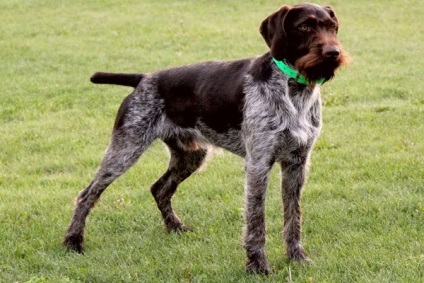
(305, 36)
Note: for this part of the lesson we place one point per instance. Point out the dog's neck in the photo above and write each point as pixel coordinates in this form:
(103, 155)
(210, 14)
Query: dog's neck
(292, 73)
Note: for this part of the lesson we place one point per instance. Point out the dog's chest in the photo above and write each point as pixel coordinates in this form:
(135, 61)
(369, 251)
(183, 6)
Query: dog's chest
(304, 120)
(282, 117)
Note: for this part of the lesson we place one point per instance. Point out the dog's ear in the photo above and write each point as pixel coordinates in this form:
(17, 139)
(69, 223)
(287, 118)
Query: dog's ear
(272, 30)
(330, 11)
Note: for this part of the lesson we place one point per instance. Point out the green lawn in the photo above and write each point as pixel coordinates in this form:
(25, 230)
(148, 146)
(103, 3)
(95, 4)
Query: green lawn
(363, 204)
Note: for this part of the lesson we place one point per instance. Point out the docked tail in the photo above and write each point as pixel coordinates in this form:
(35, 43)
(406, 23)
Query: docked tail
(117, 79)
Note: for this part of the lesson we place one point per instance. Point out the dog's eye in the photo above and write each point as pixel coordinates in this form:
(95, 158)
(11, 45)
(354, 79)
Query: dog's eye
(333, 28)
(304, 27)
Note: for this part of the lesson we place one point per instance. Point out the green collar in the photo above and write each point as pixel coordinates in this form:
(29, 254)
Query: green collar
(292, 73)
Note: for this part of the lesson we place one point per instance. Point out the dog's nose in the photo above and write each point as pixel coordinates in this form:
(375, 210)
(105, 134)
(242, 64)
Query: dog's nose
(331, 52)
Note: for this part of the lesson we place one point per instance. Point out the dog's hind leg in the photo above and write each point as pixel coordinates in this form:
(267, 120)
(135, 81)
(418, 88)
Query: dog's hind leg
(133, 133)
(119, 157)
(182, 164)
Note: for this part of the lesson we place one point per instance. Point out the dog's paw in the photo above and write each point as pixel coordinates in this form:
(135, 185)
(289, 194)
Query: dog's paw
(298, 254)
(258, 267)
(184, 228)
(74, 243)
(178, 228)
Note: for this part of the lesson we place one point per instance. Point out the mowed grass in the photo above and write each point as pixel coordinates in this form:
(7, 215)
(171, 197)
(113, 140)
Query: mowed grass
(363, 204)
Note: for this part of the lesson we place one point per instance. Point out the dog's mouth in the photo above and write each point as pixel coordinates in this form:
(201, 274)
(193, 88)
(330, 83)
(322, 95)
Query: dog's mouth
(321, 63)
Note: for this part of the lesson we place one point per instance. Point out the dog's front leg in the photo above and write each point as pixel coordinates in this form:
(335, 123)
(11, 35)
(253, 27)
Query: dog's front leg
(294, 176)
(257, 172)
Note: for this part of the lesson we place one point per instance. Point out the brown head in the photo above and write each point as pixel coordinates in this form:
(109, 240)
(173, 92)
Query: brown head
(305, 36)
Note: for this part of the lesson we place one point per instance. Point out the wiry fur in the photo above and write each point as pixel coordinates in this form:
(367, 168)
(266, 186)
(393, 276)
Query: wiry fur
(248, 107)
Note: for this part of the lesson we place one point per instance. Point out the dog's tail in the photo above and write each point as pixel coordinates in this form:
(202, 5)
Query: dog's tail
(117, 79)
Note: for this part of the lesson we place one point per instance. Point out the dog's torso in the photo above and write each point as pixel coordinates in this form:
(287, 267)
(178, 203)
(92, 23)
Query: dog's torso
(235, 105)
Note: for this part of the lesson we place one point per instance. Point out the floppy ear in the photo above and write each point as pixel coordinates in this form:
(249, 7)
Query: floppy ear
(272, 31)
(331, 13)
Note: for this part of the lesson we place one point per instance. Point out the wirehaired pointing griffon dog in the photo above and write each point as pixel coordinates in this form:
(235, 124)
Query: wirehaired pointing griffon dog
(265, 109)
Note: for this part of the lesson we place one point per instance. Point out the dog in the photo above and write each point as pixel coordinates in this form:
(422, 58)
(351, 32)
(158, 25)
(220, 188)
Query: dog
(265, 109)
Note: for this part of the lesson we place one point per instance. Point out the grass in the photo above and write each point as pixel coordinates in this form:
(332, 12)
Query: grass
(364, 202)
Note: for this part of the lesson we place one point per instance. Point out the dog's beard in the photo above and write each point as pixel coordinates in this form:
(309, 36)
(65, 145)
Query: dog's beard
(315, 67)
